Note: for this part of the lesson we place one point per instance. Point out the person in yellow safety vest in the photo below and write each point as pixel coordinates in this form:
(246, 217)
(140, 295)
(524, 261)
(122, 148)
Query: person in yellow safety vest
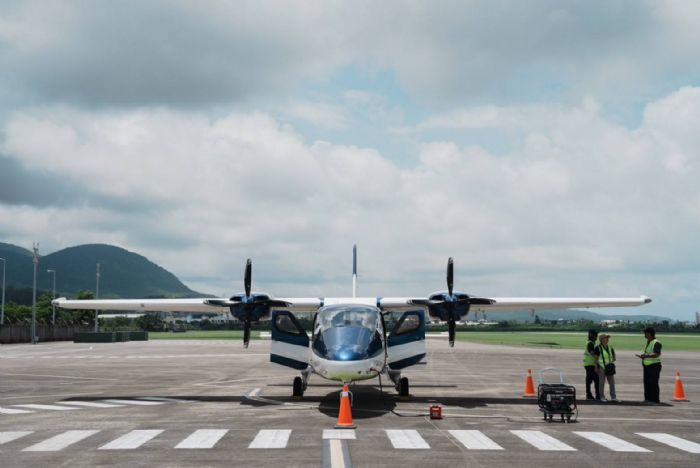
(606, 367)
(590, 363)
(651, 363)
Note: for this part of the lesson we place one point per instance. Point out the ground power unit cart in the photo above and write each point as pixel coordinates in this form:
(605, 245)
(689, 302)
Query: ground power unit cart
(556, 398)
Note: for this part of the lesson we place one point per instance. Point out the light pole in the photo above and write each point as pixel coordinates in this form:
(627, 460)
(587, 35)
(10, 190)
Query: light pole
(35, 260)
(53, 298)
(2, 307)
(97, 291)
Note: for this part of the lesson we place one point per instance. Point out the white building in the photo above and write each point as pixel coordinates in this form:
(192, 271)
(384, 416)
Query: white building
(697, 317)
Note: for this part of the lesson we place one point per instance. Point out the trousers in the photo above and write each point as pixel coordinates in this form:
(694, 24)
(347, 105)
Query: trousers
(611, 382)
(652, 373)
(592, 377)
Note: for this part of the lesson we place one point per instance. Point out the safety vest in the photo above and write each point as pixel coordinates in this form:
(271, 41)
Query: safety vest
(649, 349)
(589, 359)
(607, 354)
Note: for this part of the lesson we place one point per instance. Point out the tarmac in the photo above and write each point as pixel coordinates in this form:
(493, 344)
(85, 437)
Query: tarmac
(188, 403)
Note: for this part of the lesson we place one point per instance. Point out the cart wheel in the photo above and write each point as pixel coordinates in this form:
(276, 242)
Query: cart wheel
(551, 416)
(568, 419)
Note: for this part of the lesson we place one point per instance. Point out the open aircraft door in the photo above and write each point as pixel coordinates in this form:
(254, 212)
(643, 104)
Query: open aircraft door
(290, 342)
(406, 341)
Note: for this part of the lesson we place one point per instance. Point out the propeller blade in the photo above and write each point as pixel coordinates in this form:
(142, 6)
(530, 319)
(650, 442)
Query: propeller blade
(450, 275)
(451, 324)
(246, 333)
(248, 275)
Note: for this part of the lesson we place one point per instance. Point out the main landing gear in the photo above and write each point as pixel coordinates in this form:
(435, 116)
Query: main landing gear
(401, 384)
(299, 385)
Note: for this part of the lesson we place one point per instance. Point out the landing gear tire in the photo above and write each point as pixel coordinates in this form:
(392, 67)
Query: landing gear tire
(297, 388)
(403, 388)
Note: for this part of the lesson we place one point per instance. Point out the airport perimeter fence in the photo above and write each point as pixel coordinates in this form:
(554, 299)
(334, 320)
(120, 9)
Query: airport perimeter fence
(22, 333)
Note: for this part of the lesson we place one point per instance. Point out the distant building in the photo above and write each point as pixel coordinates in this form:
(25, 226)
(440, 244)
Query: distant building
(697, 318)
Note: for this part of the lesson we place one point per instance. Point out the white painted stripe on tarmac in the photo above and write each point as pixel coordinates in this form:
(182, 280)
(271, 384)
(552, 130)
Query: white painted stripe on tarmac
(132, 440)
(90, 404)
(475, 440)
(13, 411)
(165, 399)
(60, 441)
(339, 434)
(133, 402)
(271, 439)
(611, 442)
(6, 437)
(202, 439)
(673, 441)
(48, 407)
(542, 441)
(406, 439)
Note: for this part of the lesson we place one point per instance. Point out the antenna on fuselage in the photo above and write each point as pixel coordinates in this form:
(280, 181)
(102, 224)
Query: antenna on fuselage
(354, 270)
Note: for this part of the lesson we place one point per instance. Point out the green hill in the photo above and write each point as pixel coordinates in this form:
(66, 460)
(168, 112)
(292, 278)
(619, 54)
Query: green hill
(123, 274)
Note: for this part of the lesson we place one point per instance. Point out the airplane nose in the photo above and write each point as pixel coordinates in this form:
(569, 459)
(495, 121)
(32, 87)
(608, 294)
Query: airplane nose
(346, 353)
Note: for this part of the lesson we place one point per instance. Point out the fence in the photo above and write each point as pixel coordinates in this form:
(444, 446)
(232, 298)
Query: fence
(22, 333)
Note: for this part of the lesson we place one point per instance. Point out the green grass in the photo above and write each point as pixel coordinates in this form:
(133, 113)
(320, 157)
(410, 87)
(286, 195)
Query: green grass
(631, 342)
(203, 335)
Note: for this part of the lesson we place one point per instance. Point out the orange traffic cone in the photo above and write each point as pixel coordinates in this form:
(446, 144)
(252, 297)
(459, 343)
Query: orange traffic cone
(529, 385)
(345, 415)
(679, 394)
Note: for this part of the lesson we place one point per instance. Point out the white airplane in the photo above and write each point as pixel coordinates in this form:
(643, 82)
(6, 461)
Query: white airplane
(353, 338)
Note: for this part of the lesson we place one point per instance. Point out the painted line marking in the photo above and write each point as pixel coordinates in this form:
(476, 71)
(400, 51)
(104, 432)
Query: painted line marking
(133, 402)
(132, 440)
(336, 454)
(165, 399)
(202, 439)
(339, 434)
(60, 441)
(611, 442)
(271, 438)
(13, 411)
(406, 439)
(475, 440)
(6, 437)
(673, 441)
(47, 407)
(90, 404)
(542, 441)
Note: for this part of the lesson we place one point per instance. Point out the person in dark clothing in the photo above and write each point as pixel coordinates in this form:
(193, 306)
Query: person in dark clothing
(651, 363)
(590, 363)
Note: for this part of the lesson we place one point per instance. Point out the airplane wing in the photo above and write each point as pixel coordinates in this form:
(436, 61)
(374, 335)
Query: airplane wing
(143, 305)
(506, 304)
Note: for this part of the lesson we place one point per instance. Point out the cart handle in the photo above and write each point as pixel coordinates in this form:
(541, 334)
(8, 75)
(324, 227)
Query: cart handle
(562, 376)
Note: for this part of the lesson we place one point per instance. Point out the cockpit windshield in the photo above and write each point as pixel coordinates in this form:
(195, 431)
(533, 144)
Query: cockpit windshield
(347, 316)
(347, 332)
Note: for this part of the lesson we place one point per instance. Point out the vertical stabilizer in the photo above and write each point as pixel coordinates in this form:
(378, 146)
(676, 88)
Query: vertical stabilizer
(354, 270)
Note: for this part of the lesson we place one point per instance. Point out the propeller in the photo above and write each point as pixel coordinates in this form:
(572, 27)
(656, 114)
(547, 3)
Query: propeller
(248, 307)
(448, 306)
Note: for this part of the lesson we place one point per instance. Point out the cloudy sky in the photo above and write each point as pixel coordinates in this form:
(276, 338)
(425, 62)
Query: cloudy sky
(552, 148)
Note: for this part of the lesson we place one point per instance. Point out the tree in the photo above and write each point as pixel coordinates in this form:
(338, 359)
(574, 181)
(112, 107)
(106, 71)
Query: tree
(150, 323)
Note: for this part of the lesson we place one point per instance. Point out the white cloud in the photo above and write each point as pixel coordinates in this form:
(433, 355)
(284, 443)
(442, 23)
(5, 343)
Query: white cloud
(583, 198)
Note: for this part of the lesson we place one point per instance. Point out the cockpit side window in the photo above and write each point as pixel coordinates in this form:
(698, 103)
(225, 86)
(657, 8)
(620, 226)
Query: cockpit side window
(408, 324)
(284, 324)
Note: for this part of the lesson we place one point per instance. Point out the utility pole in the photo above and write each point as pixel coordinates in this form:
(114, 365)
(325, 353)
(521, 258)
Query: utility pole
(2, 307)
(35, 260)
(97, 292)
(53, 298)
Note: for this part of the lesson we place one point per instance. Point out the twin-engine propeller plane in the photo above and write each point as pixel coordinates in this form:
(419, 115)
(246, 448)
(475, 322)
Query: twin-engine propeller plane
(353, 338)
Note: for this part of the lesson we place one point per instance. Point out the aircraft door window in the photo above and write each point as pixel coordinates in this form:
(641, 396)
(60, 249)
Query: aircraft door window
(408, 324)
(285, 324)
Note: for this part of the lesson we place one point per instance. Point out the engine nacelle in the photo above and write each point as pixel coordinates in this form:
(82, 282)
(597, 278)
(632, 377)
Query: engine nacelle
(447, 307)
(257, 307)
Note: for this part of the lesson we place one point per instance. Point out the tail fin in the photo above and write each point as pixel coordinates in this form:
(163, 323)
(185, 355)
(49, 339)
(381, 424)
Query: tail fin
(354, 270)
